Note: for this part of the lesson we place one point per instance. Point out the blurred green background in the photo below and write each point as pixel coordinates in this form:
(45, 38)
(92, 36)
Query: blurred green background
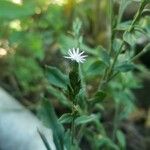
(36, 33)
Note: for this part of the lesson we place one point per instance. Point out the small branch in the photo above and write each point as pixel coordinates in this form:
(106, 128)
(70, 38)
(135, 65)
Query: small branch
(137, 16)
(145, 49)
(109, 71)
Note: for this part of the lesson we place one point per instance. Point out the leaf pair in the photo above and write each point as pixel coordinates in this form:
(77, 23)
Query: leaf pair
(83, 119)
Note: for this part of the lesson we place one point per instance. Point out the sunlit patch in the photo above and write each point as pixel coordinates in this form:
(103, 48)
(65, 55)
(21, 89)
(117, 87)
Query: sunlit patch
(15, 25)
(37, 10)
(59, 2)
(79, 1)
(17, 1)
(3, 52)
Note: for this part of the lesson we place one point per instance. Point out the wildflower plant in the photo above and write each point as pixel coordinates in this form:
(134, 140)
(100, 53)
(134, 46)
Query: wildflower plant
(113, 68)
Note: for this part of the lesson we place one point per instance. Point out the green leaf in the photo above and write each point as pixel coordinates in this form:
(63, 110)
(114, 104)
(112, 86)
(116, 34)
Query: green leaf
(77, 24)
(99, 96)
(56, 77)
(60, 96)
(123, 6)
(107, 143)
(54, 12)
(65, 118)
(96, 68)
(44, 140)
(67, 42)
(47, 115)
(146, 2)
(117, 44)
(33, 42)
(129, 38)
(146, 12)
(104, 56)
(121, 138)
(132, 37)
(9, 10)
(67, 139)
(85, 119)
(123, 26)
(125, 67)
(22, 70)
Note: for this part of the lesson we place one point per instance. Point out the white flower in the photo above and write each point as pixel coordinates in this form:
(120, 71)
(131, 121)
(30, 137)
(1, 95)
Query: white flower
(75, 55)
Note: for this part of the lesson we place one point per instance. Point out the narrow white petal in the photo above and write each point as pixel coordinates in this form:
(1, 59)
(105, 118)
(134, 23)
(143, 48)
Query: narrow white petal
(83, 56)
(74, 51)
(69, 52)
(77, 50)
(82, 59)
(81, 53)
(68, 57)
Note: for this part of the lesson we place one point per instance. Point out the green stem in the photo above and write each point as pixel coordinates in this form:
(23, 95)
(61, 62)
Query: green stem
(83, 83)
(115, 123)
(81, 133)
(110, 28)
(73, 127)
(111, 24)
(137, 16)
(109, 70)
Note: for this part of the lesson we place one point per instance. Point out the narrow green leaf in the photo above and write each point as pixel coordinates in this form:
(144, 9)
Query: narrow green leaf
(125, 67)
(99, 96)
(123, 26)
(107, 143)
(104, 56)
(47, 115)
(146, 12)
(96, 68)
(59, 95)
(121, 138)
(123, 6)
(65, 118)
(85, 119)
(56, 77)
(67, 42)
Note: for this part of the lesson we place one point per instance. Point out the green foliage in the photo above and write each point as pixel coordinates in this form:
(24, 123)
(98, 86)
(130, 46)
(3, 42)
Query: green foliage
(46, 113)
(98, 97)
(55, 18)
(9, 10)
(125, 67)
(22, 70)
(34, 34)
(56, 77)
(104, 56)
(121, 139)
(96, 68)
(85, 119)
(65, 118)
(59, 95)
